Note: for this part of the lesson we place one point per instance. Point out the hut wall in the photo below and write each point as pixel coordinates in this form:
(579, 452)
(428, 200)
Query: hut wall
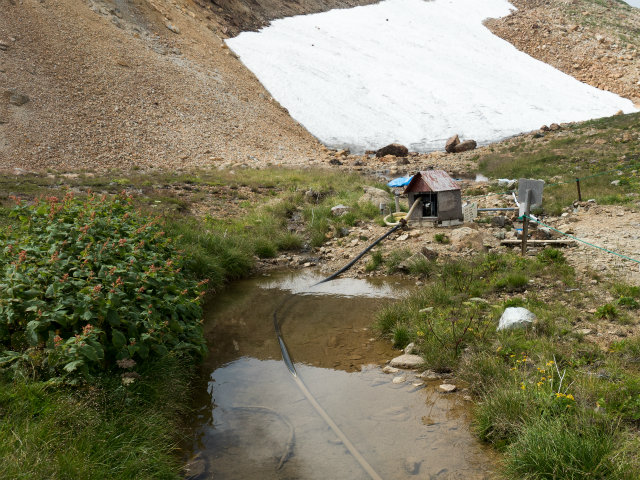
(450, 205)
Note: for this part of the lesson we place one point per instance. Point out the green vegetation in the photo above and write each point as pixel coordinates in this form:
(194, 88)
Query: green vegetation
(441, 238)
(88, 282)
(598, 152)
(555, 404)
(105, 430)
(100, 303)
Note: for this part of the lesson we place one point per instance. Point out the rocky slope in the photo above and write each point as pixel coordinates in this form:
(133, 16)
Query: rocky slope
(99, 84)
(597, 42)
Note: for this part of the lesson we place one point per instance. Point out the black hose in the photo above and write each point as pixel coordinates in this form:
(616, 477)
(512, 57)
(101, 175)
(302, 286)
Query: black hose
(292, 369)
(276, 325)
(360, 255)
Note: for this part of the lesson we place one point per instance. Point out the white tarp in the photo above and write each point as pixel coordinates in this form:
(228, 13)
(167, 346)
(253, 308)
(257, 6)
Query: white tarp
(413, 72)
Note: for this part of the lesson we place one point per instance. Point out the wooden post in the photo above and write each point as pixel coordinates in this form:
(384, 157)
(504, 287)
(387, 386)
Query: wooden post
(579, 193)
(525, 222)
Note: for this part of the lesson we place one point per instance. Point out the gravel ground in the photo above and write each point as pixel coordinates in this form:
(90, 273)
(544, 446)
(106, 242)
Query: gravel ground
(140, 84)
(116, 88)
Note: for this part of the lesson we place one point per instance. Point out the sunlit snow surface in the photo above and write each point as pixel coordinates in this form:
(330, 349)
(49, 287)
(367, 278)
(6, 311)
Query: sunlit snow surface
(414, 72)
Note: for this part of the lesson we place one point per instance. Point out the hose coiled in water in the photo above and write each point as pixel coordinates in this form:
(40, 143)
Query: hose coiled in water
(292, 369)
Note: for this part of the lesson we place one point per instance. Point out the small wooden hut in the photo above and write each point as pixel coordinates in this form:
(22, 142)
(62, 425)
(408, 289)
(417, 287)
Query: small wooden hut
(440, 195)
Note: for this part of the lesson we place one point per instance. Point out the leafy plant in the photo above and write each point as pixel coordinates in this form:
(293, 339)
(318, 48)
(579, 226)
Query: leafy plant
(375, 262)
(441, 238)
(608, 310)
(88, 282)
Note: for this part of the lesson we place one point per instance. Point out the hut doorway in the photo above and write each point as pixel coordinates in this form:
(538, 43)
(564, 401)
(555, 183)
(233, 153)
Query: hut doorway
(429, 204)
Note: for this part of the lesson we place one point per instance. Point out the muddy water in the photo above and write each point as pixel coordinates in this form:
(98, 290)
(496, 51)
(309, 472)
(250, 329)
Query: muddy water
(254, 423)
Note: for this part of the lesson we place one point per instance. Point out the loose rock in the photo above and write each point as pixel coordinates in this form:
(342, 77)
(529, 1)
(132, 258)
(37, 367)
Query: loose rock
(394, 149)
(409, 262)
(374, 195)
(409, 349)
(452, 143)
(389, 369)
(465, 146)
(447, 388)
(516, 317)
(339, 210)
(407, 361)
(16, 98)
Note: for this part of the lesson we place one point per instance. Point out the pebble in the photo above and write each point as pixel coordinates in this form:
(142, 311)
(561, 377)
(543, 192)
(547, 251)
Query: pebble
(429, 375)
(172, 27)
(447, 388)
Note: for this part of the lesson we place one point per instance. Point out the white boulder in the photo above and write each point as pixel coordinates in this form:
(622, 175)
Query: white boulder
(515, 317)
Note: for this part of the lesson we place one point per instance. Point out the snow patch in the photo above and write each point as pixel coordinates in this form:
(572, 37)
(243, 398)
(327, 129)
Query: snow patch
(413, 72)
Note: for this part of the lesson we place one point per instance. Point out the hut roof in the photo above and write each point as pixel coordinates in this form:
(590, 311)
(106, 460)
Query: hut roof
(432, 181)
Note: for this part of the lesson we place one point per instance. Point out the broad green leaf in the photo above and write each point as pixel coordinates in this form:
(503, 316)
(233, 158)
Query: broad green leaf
(118, 339)
(71, 366)
(89, 352)
(113, 318)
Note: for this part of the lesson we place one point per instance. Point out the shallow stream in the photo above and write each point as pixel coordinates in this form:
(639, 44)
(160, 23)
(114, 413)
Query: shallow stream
(252, 421)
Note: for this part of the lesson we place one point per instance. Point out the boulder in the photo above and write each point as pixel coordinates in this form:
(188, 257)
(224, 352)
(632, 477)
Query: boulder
(465, 146)
(394, 149)
(374, 195)
(466, 237)
(413, 259)
(451, 144)
(498, 221)
(428, 253)
(339, 210)
(515, 317)
(406, 361)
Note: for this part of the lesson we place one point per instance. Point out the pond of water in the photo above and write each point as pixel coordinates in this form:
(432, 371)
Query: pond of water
(253, 422)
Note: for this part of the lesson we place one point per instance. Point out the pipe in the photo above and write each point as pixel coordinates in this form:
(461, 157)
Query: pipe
(406, 217)
(292, 369)
(507, 209)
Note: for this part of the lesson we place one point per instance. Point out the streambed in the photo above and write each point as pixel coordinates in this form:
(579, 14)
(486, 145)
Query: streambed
(251, 417)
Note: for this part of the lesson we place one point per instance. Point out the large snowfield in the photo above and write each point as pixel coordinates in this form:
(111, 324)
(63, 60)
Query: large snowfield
(413, 72)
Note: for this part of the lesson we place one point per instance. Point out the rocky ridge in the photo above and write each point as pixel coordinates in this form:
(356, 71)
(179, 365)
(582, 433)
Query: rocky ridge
(596, 42)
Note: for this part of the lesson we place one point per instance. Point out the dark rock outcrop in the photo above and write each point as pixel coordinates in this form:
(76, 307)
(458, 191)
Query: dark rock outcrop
(465, 146)
(394, 149)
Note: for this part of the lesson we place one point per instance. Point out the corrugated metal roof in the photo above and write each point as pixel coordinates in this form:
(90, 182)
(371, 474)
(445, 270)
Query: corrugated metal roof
(434, 180)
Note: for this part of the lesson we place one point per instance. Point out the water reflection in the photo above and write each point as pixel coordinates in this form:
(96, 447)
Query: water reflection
(253, 422)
